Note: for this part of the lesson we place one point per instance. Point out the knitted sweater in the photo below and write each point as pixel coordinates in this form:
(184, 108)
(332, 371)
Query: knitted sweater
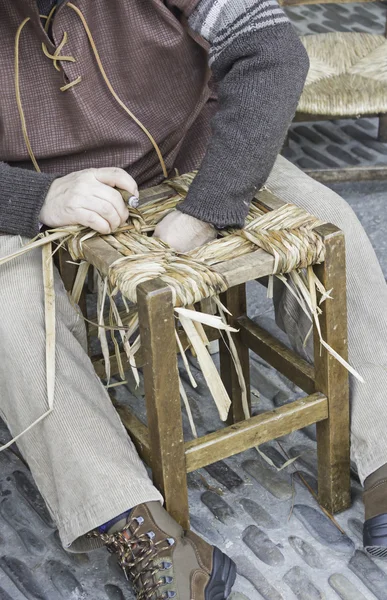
(260, 67)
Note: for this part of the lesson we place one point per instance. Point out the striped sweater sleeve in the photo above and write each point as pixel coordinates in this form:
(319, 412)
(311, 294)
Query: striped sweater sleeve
(260, 66)
(221, 22)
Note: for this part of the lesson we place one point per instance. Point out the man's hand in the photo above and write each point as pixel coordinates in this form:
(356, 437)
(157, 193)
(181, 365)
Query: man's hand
(183, 232)
(88, 198)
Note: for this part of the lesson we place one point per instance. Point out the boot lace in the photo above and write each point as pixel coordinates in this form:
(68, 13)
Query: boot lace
(137, 554)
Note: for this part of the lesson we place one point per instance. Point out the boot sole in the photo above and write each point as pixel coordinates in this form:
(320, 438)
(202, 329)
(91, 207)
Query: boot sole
(222, 577)
(375, 536)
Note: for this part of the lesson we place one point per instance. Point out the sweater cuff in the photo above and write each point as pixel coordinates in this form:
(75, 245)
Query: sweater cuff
(22, 194)
(205, 204)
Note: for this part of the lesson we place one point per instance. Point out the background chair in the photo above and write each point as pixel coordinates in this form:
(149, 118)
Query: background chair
(347, 80)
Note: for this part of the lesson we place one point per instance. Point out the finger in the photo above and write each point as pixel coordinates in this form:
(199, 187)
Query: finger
(109, 194)
(107, 212)
(89, 218)
(116, 177)
(102, 207)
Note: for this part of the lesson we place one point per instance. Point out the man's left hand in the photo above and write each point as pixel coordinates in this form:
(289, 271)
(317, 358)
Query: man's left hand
(183, 232)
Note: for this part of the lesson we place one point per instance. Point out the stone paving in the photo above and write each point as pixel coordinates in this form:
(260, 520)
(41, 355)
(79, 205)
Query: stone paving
(267, 520)
(336, 144)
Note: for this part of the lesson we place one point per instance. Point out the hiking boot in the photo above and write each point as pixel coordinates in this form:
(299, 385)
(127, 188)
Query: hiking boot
(162, 561)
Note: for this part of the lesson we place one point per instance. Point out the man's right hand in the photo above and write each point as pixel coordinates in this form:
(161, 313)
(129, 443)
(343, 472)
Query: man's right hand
(88, 198)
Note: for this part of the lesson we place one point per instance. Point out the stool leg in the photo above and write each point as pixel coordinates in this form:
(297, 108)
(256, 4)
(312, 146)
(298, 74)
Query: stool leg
(68, 273)
(382, 136)
(235, 300)
(161, 381)
(209, 307)
(333, 441)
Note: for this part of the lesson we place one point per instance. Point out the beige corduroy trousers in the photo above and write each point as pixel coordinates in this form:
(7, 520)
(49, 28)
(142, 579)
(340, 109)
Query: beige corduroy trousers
(81, 458)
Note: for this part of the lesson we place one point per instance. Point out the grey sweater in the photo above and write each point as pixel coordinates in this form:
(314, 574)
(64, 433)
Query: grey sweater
(260, 67)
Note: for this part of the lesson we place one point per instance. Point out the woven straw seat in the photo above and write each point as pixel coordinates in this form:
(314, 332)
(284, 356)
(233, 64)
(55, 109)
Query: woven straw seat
(288, 234)
(347, 76)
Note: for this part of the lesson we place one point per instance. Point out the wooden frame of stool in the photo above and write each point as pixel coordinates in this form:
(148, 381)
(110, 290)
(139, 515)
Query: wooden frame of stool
(161, 444)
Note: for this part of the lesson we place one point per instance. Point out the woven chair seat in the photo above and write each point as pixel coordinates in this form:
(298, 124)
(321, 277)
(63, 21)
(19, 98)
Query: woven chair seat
(347, 76)
(288, 234)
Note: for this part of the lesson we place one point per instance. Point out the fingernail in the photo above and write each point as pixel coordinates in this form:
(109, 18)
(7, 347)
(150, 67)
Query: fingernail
(133, 202)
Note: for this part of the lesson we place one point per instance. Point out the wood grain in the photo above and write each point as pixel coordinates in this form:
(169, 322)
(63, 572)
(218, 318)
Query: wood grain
(255, 431)
(302, 117)
(156, 192)
(138, 431)
(269, 201)
(235, 300)
(100, 254)
(162, 396)
(246, 268)
(277, 354)
(333, 439)
(348, 174)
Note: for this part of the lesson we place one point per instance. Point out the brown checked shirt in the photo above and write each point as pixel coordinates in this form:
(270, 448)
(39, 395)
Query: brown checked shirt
(157, 55)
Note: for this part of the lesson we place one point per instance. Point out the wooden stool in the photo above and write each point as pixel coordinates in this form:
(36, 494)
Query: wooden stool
(161, 443)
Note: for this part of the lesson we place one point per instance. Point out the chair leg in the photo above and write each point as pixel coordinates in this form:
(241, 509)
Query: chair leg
(209, 307)
(68, 272)
(235, 300)
(286, 143)
(333, 434)
(161, 381)
(382, 136)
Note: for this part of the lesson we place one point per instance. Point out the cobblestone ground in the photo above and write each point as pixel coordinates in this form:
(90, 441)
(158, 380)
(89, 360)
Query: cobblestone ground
(267, 520)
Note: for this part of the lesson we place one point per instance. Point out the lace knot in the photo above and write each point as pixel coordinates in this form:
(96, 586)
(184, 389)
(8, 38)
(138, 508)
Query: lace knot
(137, 555)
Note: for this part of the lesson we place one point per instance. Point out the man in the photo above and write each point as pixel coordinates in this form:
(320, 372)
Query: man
(63, 115)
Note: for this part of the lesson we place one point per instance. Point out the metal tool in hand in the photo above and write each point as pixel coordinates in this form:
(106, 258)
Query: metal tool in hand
(131, 201)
